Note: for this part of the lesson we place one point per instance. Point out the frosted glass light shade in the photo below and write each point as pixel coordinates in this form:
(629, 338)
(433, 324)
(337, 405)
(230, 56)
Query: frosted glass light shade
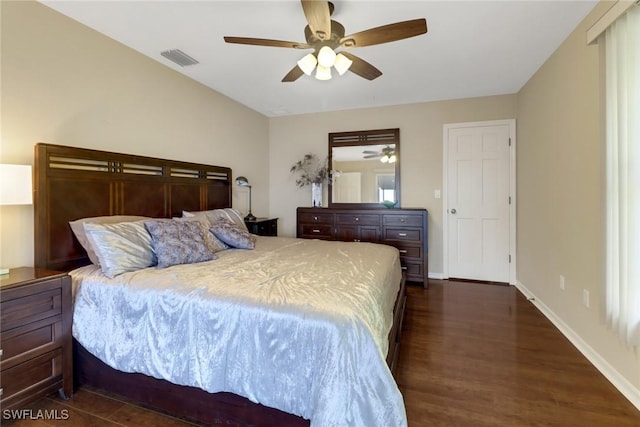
(342, 63)
(15, 185)
(307, 64)
(326, 56)
(323, 73)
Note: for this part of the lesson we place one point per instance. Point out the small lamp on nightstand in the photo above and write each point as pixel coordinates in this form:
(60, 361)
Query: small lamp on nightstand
(15, 188)
(244, 182)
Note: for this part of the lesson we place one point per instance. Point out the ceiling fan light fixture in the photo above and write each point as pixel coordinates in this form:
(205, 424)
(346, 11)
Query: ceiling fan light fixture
(326, 56)
(307, 64)
(342, 64)
(323, 73)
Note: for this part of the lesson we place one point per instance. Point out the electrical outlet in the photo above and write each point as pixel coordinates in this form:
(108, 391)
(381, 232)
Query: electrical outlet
(585, 298)
(561, 282)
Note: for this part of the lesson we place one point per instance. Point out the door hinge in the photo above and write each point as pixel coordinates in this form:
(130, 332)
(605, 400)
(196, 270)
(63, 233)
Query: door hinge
(509, 141)
(509, 258)
(509, 199)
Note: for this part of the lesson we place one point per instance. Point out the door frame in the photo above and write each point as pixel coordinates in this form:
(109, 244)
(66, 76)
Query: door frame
(447, 127)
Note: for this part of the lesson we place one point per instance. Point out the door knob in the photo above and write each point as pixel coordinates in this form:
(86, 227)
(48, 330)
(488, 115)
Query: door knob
(453, 211)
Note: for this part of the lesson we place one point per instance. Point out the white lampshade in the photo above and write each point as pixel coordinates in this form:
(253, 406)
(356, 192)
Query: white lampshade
(326, 56)
(392, 158)
(323, 73)
(15, 185)
(342, 64)
(307, 64)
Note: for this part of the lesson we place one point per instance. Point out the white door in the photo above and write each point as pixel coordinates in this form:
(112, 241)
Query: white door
(479, 202)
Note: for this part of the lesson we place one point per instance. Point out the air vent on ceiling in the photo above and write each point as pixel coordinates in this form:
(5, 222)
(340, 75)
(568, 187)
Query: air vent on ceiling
(179, 57)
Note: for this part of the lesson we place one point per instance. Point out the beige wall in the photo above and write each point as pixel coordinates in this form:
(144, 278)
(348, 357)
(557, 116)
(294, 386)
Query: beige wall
(561, 198)
(420, 153)
(65, 84)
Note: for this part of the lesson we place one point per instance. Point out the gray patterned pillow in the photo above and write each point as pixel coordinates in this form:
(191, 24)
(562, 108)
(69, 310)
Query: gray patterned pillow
(233, 235)
(179, 242)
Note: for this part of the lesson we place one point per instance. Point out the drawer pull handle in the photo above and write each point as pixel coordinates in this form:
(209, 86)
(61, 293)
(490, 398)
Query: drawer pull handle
(1, 391)
(315, 230)
(404, 268)
(356, 240)
(356, 218)
(402, 234)
(403, 251)
(401, 219)
(315, 218)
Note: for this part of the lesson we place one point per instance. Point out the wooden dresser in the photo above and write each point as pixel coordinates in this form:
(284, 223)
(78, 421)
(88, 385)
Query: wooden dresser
(405, 229)
(35, 314)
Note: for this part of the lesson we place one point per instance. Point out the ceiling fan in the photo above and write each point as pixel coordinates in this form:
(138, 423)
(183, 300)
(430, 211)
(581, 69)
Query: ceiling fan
(386, 155)
(325, 36)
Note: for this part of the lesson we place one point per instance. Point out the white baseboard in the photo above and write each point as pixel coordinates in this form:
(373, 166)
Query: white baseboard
(437, 276)
(629, 391)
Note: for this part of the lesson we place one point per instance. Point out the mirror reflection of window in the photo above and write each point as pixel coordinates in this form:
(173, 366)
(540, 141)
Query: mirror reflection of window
(386, 184)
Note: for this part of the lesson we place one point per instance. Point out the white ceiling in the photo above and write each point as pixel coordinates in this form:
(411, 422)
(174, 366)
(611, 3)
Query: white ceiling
(472, 48)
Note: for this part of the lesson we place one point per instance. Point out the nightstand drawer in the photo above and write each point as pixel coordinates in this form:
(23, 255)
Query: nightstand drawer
(21, 311)
(39, 373)
(409, 234)
(22, 343)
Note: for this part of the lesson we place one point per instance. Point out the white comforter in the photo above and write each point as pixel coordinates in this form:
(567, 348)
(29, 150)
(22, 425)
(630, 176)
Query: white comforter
(299, 325)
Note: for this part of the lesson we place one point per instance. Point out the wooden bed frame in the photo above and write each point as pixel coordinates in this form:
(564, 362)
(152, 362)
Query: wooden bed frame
(73, 183)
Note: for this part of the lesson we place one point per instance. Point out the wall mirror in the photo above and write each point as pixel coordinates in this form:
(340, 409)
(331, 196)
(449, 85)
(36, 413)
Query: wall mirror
(366, 168)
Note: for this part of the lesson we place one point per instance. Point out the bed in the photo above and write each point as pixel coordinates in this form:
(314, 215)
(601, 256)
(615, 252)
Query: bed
(283, 292)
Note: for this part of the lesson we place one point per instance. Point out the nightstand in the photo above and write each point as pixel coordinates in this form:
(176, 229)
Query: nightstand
(35, 322)
(263, 226)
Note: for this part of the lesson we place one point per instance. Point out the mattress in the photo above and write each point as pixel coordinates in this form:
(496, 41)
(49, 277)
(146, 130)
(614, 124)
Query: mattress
(298, 325)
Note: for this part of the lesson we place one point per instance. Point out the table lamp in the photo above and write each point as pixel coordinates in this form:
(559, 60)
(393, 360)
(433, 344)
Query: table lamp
(15, 188)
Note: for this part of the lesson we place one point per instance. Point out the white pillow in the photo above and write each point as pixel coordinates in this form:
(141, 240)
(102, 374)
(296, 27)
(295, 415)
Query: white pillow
(77, 227)
(213, 215)
(121, 247)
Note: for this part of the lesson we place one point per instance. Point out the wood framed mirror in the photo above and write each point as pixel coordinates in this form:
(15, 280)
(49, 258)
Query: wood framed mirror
(366, 169)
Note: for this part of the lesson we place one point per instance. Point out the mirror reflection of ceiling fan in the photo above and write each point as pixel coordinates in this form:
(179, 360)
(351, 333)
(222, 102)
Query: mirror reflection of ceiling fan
(386, 155)
(326, 37)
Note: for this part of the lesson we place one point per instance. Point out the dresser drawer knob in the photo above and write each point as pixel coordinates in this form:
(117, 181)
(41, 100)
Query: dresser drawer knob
(315, 218)
(402, 234)
(401, 219)
(315, 230)
(404, 268)
(356, 218)
(402, 251)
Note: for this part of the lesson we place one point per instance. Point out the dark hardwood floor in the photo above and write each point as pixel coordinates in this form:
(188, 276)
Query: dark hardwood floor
(471, 355)
(476, 355)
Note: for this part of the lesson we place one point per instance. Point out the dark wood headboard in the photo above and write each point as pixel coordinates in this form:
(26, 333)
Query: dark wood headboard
(73, 183)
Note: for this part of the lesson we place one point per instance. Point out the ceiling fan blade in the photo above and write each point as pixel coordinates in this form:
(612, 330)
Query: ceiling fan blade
(266, 42)
(293, 75)
(386, 33)
(372, 156)
(370, 152)
(362, 67)
(319, 17)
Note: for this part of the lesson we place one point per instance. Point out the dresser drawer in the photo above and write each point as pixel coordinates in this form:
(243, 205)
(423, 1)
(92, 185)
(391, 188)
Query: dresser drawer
(37, 374)
(316, 218)
(318, 231)
(407, 250)
(403, 220)
(355, 219)
(17, 311)
(408, 234)
(414, 270)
